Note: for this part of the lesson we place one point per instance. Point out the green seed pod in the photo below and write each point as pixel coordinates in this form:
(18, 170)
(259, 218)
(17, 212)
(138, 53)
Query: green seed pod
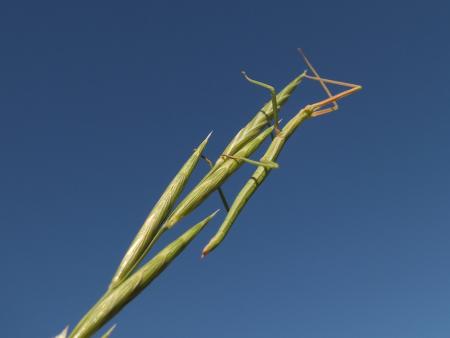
(207, 185)
(159, 212)
(114, 300)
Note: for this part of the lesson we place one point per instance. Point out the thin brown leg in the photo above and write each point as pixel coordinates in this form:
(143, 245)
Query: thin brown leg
(322, 83)
(219, 189)
(316, 106)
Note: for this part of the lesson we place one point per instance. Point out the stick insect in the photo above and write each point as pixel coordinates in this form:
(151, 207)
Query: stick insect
(270, 156)
(130, 278)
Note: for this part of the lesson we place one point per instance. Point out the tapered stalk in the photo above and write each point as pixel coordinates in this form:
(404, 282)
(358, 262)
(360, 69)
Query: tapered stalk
(159, 212)
(115, 299)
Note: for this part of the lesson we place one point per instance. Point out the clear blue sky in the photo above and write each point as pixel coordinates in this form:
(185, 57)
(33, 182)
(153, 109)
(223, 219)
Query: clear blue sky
(101, 102)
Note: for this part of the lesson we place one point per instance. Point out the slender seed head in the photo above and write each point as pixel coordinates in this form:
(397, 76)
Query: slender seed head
(117, 298)
(138, 247)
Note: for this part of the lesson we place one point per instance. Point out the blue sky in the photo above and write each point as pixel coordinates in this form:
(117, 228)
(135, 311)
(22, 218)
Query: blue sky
(102, 102)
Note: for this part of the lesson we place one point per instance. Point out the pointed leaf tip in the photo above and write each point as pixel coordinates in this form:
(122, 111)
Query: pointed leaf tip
(64, 332)
(209, 135)
(108, 333)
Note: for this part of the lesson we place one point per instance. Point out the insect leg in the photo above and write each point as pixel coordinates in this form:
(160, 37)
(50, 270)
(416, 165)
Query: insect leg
(322, 83)
(316, 107)
(220, 191)
(274, 99)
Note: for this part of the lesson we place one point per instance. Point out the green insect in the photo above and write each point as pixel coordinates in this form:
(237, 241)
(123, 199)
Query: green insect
(275, 148)
(132, 275)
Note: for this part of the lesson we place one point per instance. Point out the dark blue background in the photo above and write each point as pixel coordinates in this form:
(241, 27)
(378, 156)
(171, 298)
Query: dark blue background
(101, 102)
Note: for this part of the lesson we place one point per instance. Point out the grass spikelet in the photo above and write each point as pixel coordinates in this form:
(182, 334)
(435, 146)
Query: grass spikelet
(114, 300)
(135, 253)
